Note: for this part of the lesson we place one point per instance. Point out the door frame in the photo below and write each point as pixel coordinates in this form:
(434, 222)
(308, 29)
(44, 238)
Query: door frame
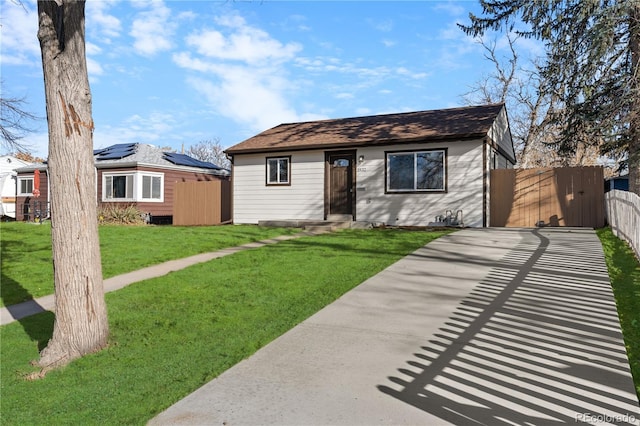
(327, 180)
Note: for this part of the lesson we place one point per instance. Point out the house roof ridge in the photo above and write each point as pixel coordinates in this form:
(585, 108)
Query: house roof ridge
(389, 114)
(448, 123)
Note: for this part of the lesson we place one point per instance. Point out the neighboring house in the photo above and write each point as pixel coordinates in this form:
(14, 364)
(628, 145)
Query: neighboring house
(8, 179)
(130, 174)
(620, 183)
(396, 169)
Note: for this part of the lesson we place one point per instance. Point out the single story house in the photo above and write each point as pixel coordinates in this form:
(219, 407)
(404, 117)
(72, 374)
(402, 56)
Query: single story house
(8, 179)
(128, 174)
(405, 169)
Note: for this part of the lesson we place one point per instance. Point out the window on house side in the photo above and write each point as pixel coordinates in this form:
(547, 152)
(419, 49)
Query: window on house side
(119, 187)
(278, 171)
(422, 171)
(151, 187)
(26, 186)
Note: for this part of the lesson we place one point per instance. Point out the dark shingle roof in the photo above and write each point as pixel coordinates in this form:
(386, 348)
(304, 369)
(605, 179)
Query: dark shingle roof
(442, 124)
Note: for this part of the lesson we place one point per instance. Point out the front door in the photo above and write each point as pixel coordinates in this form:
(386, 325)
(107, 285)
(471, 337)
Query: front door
(340, 183)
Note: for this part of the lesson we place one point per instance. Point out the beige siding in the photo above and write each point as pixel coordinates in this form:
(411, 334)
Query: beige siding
(464, 180)
(253, 200)
(304, 199)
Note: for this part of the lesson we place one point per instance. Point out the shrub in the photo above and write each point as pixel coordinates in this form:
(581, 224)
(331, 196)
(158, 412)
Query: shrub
(120, 214)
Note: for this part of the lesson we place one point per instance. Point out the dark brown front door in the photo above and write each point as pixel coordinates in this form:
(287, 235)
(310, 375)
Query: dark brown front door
(340, 174)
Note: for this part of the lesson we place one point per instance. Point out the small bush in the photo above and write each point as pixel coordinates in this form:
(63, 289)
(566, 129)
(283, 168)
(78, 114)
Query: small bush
(120, 214)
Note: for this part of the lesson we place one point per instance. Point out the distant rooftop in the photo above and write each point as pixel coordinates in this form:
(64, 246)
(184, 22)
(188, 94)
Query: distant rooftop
(127, 153)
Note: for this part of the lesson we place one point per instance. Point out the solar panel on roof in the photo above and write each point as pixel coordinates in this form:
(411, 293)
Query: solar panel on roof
(116, 152)
(185, 160)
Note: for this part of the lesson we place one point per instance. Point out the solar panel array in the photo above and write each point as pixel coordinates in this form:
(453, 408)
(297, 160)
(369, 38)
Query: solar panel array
(115, 152)
(185, 160)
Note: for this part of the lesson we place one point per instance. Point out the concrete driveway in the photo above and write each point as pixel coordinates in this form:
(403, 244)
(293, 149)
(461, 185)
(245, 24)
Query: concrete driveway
(484, 326)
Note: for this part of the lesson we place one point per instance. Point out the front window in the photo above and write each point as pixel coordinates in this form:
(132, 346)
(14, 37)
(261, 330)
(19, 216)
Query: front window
(119, 187)
(25, 186)
(278, 171)
(422, 171)
(135, 186)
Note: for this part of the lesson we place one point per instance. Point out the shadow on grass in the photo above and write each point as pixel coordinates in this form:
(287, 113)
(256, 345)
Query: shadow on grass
(39, 327)
(536, 342)
(11, 291)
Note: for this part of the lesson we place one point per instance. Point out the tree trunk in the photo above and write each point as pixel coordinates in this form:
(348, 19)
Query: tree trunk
(634, 142)
(81, 324)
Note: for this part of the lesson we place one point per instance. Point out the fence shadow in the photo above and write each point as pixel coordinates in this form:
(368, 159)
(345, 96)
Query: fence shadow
(533, 344)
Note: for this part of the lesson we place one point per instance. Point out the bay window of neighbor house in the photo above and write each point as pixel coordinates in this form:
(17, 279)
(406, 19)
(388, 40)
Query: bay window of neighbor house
(25, 186)
(136, 186)
(416, 171)
(278, 170)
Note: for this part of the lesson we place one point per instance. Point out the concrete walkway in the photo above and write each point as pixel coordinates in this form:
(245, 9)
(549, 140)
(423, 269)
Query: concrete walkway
(483, 326)
(13, 313)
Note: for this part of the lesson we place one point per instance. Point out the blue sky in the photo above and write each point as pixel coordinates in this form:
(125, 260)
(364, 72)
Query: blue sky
(174, 73)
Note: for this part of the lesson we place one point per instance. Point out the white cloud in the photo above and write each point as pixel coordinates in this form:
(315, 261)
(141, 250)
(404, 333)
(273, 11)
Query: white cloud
(241, 42)
(455, 9)
(19, 34)
(242, 73)
(383, 26)
(407, 73)
(388, 43)
(154, 128)
(99, 20)
(153, 29)
(94, 69)
(248, 98)
(344, 95)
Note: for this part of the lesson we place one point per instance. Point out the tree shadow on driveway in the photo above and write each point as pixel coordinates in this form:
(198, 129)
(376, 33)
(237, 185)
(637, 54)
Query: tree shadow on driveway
(536, 342)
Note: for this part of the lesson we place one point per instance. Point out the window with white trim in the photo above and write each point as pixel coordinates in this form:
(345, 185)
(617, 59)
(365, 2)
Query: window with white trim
(25, 186)
(278, 170)
(418, 171)
(151, 187)
(133, 186)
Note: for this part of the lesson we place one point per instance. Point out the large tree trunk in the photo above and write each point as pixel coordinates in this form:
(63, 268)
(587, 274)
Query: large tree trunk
(81, 324)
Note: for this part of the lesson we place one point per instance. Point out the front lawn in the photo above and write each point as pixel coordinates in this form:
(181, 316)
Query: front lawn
(27, 270)
(172, 334)
(624, 272)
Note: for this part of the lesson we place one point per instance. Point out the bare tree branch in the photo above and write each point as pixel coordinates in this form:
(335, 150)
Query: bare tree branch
(15, 123)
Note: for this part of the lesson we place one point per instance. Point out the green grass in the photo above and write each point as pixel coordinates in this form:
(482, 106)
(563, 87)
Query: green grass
(27, 270)
(172, 334)
(624, 271)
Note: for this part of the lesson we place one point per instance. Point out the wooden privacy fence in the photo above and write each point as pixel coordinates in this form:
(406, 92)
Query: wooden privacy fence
(568, 196)
(623, 215)
(202, 202)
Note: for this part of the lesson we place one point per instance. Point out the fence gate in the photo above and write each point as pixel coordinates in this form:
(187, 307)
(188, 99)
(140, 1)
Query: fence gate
(202, 202)
(568, 196)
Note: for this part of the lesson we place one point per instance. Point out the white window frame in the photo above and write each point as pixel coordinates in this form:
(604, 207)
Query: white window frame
(137, 186)
(415, 189)
(279, 180)
(25, 179)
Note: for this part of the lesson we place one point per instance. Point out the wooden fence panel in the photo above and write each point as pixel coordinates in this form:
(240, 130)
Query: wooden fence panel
(623, 215)
(202, 203)
(571, 196)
